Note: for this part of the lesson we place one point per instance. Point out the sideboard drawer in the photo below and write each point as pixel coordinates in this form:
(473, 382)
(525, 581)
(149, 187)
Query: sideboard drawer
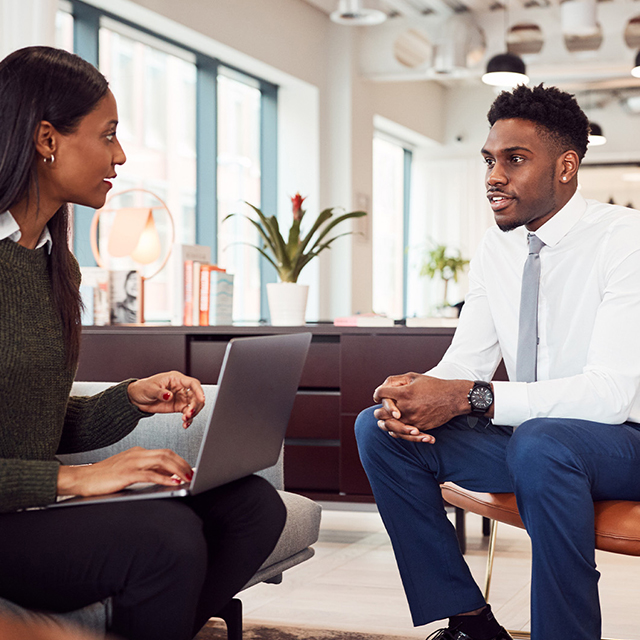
(315, 415)
(311, 468)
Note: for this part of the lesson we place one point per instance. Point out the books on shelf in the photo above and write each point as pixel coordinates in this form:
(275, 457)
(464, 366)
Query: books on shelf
(110, 297)
(94, 290)
(178, 281)
(205, 296)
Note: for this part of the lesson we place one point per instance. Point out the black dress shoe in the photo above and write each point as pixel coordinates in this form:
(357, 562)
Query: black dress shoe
(452, 634)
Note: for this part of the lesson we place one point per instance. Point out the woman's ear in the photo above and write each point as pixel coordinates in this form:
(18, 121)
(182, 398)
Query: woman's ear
(46, 140)
(569, 164)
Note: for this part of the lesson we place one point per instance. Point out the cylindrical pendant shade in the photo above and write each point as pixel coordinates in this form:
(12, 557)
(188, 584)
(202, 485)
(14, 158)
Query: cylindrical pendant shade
(636, 70)
(596, 137)
(505, 70)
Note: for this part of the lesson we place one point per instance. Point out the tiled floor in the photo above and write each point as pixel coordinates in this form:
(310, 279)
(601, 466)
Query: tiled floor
(352, 582)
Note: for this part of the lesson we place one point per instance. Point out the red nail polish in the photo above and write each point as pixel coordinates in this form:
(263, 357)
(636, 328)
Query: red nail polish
(166, 396)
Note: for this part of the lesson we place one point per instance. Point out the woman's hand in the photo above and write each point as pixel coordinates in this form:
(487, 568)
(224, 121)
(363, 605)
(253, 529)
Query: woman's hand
(168, 393)
(119, 471)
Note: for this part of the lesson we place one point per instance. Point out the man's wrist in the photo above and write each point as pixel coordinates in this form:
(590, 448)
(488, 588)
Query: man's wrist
(465, 405)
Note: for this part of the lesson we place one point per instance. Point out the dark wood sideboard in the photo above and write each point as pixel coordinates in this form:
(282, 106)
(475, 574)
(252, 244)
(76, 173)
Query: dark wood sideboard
(344, 366)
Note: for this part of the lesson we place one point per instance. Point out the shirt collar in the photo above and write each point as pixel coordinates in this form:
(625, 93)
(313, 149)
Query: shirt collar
(552, 231)
(9, 228)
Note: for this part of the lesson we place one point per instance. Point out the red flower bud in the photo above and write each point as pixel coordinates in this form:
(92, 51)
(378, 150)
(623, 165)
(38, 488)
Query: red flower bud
(296, 202)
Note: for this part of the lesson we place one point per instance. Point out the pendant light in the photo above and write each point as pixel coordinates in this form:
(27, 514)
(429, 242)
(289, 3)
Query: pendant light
(635, 72)
(596, 137)
(351, 12)
(505, 69)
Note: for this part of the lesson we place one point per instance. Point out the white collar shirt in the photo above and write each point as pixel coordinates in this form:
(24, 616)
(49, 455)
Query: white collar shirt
(9, 229)
(588, 317)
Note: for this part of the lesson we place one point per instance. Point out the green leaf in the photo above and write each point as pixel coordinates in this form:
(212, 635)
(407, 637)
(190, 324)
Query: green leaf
(259, 227)
(338, 220)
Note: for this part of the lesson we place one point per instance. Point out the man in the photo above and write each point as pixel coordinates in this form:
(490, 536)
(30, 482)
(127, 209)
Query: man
(564, 431)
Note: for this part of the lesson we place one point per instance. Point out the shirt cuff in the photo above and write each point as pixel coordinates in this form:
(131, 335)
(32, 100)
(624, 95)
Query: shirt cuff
(511, 403)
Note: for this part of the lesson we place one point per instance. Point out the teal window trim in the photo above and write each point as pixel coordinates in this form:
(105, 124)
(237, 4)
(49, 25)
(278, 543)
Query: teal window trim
(268, 177)
(86, 25)
(207, 154)
(406, 221)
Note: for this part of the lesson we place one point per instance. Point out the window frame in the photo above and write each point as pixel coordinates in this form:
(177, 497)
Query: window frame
(86, 26)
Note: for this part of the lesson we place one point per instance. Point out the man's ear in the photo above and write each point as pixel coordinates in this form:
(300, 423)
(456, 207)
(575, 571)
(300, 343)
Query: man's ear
(568, 166)
(46, 140)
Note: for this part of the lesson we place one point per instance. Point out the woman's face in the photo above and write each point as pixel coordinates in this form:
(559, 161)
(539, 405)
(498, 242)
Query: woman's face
(85, 160)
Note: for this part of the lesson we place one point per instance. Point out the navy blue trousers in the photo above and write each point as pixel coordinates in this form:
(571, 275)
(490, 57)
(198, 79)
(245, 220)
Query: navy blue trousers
(556, 467)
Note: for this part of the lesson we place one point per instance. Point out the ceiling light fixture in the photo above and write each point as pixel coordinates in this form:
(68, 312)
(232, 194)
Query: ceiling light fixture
(635, 72)
(351, 12)
(596, 137)
(505, 70)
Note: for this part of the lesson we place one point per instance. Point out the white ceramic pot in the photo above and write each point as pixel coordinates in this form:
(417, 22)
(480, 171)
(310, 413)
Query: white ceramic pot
(287, 303)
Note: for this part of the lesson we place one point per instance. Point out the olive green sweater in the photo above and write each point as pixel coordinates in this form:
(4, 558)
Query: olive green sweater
(37, 417)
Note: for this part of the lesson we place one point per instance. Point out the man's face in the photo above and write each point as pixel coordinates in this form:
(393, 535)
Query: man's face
(522, 187)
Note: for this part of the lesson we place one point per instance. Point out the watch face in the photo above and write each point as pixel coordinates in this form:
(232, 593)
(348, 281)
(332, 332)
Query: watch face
(481, 398)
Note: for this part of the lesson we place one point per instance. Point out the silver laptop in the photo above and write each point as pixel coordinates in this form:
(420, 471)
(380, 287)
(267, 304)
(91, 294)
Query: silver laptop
(256, 390)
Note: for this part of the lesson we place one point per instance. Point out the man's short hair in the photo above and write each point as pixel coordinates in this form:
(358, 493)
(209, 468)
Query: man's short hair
(556, 112)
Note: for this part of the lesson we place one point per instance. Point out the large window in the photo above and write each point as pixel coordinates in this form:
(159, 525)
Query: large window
(194, 134)
(239, 101)
(391, 171)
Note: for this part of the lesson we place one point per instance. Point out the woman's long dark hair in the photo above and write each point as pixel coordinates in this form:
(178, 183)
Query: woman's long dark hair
(42, 83)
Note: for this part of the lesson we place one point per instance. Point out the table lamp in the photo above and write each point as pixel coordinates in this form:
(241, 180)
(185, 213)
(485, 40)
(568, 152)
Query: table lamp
(133, 234)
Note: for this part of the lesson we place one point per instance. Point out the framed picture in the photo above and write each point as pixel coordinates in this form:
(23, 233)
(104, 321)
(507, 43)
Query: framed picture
(124, 293)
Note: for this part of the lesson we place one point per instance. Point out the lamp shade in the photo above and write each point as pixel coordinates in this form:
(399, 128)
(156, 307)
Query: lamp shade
(351, 12)
(596, 137)
(635, 72)
(505, 70)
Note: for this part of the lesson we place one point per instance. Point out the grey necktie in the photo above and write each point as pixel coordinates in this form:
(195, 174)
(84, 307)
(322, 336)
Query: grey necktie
(526, 363)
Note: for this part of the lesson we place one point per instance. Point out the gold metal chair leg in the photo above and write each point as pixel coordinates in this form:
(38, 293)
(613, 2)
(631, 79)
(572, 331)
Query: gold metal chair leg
(492, 550)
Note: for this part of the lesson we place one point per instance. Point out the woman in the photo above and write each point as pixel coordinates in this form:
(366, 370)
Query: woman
(167, 565)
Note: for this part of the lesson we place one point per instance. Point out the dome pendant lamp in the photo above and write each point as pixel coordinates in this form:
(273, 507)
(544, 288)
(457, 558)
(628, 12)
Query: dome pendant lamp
(596, 137)
(635, 72)
(505, 69)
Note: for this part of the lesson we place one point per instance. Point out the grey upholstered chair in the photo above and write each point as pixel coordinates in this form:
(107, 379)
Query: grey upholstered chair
(164, 431)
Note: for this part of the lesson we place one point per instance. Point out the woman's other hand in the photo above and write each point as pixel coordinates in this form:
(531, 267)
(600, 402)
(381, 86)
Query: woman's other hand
(170, 392)
(160, 466)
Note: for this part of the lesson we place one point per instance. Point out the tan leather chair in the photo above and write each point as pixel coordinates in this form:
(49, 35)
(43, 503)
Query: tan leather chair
(617, 523)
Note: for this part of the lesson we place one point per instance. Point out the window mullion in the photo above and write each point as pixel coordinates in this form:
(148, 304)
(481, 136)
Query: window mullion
(406, 220)
(268, 176)
(86, 25)
(206, 153)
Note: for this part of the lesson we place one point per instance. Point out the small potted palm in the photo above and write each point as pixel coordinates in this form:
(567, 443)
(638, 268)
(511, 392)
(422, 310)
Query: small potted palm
(446, 264)
(287, 298)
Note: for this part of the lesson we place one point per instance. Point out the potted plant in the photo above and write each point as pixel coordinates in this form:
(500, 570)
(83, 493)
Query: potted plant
(445, 263)
(288, 299)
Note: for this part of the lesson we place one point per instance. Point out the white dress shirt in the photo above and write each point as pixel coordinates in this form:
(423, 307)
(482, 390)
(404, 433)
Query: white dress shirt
(588, 317)
(9, 229)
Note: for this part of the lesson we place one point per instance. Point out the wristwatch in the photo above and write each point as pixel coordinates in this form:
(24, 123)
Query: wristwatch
(480, 398)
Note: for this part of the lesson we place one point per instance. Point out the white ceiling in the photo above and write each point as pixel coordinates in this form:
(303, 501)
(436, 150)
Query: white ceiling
(451, 41)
